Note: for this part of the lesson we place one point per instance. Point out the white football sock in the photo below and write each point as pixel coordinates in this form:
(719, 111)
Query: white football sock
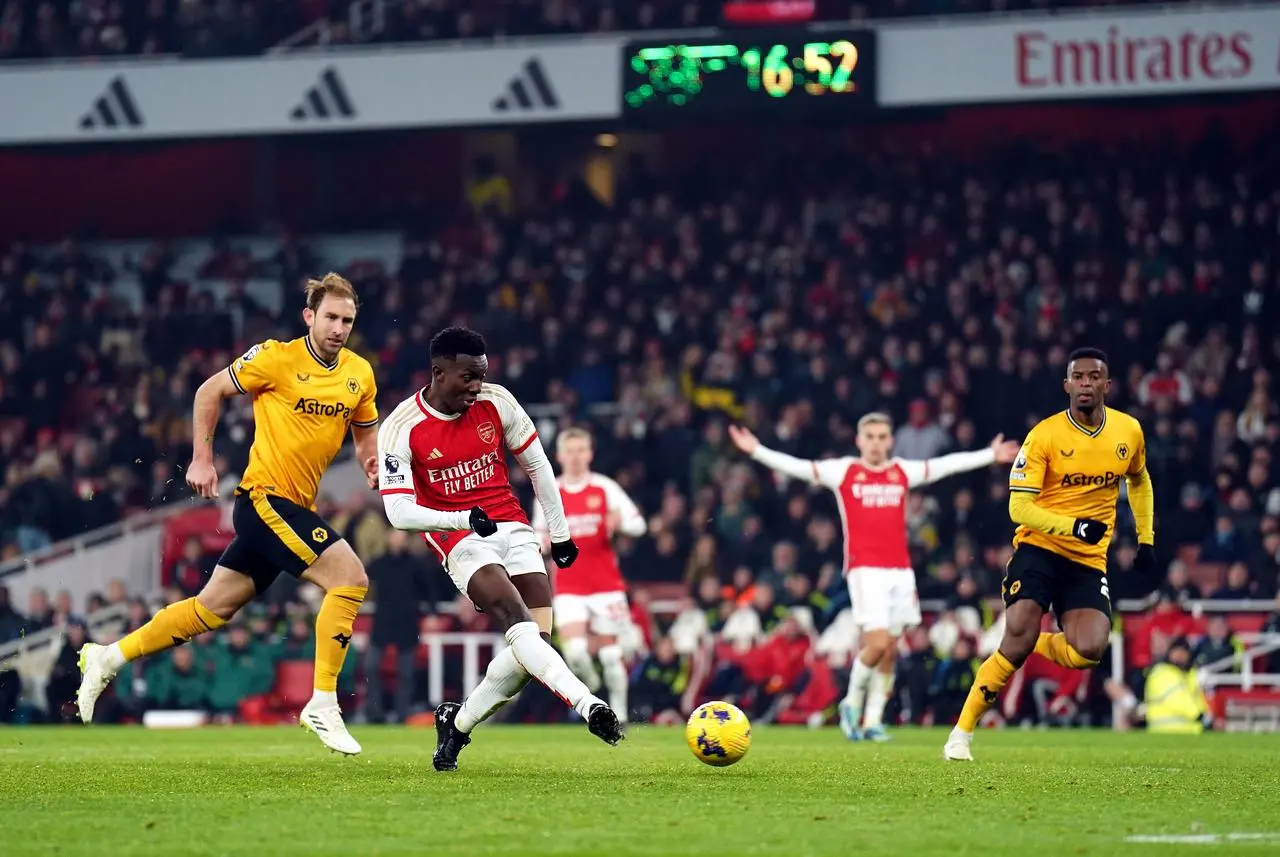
(877, 698)
(115, 659)
(325, 698)
(502, 680)
(577, 654)
(858, 682)
(615, 679)
(540, 659)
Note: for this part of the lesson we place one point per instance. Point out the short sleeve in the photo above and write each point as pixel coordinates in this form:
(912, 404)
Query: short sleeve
(1027, 473)
(1138, 461)
(366, 413)
(395, 460)
(254, 371)
(517, 428)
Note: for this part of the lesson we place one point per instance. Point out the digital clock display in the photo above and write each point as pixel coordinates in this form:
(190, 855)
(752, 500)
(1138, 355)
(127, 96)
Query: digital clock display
(759, 74)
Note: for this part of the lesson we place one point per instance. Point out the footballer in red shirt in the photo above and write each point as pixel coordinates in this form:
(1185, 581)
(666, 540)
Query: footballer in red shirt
(443, 472)
(871, 493)
(590, 604)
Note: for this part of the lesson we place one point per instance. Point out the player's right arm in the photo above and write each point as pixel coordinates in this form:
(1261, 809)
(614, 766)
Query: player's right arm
(1026, 478)
(250, 373)
(395, 483)
(828, 473)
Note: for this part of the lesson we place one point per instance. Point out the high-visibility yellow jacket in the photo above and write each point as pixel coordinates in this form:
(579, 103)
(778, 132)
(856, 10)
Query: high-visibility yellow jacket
(1174, 701)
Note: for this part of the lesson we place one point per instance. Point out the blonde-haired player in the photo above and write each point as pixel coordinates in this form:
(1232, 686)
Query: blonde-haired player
(871, 492)
(590, 605)
(307, 393)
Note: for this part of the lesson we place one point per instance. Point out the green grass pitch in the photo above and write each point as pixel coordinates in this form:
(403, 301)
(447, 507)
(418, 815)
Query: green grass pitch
(114, 792)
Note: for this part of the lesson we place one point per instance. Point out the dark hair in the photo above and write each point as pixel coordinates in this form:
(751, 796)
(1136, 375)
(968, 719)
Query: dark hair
(1089, 354)
(452, 341)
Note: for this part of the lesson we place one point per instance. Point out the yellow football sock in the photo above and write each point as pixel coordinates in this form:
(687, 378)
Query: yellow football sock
(172, 626)
(993, 675)
(333, 632)
(1056, 648)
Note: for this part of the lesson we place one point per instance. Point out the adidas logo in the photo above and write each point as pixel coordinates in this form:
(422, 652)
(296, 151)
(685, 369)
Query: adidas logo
(435, 453)
(115, 108)
(527, 90)
(328, 99)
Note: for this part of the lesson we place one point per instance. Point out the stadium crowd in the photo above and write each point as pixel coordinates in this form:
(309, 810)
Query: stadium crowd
(48, 29)
(944, 291)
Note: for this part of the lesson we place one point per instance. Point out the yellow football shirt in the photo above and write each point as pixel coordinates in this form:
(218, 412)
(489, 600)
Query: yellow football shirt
(302, 408)
(1077, 471)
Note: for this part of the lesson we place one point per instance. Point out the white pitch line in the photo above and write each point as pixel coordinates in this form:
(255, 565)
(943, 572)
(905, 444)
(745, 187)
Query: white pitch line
(1200, 838)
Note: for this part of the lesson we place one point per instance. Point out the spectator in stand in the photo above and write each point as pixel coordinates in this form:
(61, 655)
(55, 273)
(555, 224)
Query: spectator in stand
(952, 681)
(1178, 585)
(1225, 543)
(64, 677)
(1191, 523)
(921, 438)
(193, 568)
(175, 682)
(1217, 644)
(1238, 586)
(39, 612)
(399, 588)
(659, 682)
(238, 667)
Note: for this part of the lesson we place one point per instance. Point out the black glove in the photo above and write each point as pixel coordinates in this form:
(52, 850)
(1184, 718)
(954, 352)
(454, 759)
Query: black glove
(1088, 530)
(564, 553)
(1145, 559)
(481, 524)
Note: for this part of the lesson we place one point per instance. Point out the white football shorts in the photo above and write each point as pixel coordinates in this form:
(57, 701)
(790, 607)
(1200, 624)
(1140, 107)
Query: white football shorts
(884, 598)
(605, 613)
(514, 546)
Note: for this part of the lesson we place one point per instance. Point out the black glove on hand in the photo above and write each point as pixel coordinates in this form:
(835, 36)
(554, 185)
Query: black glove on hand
(1145, 559)
(1088, 530)
(481, 524)
(564, 553)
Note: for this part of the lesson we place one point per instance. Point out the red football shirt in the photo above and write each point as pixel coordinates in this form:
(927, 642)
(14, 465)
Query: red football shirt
(454, 462)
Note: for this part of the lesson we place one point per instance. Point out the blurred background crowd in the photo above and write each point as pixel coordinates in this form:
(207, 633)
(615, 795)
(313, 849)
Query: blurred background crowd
(57, 29)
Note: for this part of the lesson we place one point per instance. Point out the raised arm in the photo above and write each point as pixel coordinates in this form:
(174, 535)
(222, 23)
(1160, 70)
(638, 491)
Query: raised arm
(1000, 451)
(827, 473)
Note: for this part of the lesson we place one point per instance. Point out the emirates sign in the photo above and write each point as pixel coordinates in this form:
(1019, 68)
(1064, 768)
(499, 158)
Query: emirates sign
(1101, 55)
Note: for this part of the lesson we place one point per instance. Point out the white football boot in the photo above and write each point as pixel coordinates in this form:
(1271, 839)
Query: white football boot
(957, 746)
(95, 674)
(325, 720)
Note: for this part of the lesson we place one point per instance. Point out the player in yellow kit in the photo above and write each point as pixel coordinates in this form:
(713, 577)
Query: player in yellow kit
(1063, 490)
(307, 394)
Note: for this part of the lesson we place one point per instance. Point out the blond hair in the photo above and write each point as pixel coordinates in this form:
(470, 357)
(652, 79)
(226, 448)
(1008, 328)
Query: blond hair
(332, 284)
(875, 418)
(572, 433)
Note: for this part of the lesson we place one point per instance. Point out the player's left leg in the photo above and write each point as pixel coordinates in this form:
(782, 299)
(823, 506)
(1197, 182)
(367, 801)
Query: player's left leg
(339, 572)
(496, 593)
(572, 615)
(870, 594)
(1083, 608)
(609, 619)
(220, 599)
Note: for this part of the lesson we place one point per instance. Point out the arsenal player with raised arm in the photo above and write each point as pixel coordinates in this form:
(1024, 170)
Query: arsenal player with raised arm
(591, 598)
(871, 492)
(443, 472)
